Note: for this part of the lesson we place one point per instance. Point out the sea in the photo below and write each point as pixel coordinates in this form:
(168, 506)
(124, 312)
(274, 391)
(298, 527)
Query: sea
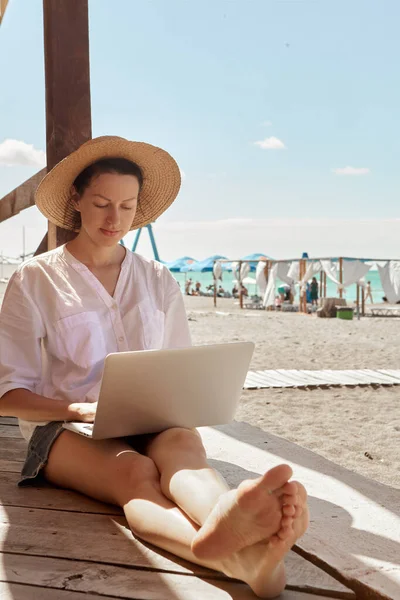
(6, 270)
(227, 283)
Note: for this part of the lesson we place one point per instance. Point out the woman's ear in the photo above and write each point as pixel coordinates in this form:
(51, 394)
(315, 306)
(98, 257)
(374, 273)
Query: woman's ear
(75, 198)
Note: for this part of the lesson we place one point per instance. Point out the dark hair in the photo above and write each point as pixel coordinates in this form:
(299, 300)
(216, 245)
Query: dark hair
(121, 166)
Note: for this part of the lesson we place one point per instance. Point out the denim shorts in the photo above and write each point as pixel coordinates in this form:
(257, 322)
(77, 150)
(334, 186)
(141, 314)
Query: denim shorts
(38, 452)
(42, 441)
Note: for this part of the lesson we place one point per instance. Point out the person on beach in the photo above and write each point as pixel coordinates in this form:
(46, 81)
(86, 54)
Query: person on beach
(368, 292)
(188, 286)
(314, 291)
(64, 311)
(197, 289)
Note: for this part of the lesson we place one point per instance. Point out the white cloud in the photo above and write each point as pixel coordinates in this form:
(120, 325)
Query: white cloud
(351, 171)
(271, 143)
(16, 152)
(266, 123)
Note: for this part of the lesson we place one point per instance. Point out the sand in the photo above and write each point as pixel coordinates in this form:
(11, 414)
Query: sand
(341, 424)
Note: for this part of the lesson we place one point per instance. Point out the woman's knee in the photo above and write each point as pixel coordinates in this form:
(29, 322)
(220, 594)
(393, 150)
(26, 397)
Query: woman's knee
(135, 470)
(177, 439)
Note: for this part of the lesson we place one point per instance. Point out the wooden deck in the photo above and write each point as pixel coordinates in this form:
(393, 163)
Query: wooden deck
(60, 545)
(298, 378)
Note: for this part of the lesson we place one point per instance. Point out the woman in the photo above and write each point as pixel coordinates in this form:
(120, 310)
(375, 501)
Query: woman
(64, 311)
(314, 291)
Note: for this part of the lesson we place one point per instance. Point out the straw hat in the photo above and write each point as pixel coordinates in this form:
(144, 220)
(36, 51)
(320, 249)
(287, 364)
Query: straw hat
(161, 180)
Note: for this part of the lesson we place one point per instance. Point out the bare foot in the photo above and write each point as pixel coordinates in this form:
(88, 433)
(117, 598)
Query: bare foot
(255, 511)
(261, 565)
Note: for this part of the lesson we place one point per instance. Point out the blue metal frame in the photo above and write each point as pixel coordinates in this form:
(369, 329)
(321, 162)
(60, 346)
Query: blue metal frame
(152, 240)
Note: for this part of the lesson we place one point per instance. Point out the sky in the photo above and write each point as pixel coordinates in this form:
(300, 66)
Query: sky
(283, 116)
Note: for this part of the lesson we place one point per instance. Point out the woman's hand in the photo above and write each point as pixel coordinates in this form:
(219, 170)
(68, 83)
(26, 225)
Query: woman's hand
(82, 411)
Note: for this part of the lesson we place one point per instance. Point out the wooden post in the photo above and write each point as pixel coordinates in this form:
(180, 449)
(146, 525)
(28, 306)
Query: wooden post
(341, 276)
(266, 271)
(215, 290)
(363, 301)
(358, 299)
(321, 278)
(3, 6)
(324, 284)
(240, 286)
(301, 294)
(68, 110)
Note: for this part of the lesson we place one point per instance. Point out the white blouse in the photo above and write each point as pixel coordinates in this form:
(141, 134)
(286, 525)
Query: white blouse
(58, 323)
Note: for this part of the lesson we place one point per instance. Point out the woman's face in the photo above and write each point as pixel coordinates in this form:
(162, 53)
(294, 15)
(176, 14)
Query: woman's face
(108, 207)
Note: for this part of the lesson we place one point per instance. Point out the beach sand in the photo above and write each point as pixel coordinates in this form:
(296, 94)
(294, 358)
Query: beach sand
(341, 424)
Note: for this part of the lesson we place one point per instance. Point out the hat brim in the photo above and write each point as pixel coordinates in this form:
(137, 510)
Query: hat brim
(161, 180)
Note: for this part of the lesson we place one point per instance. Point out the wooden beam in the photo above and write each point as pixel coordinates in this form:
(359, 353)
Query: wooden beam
(67, 75)
(3, 6)
(341, 276)
(20, 198)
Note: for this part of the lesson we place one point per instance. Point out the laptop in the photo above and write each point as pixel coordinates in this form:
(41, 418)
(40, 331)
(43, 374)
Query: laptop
(152, 390)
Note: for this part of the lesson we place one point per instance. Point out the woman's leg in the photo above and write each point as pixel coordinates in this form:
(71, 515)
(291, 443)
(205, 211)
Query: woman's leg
(229, 519)
(111, 471)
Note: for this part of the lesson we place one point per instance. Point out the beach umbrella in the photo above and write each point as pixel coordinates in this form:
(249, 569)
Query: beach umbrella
(255, 258)
(203, 266)
(176, 265)
(247, 281)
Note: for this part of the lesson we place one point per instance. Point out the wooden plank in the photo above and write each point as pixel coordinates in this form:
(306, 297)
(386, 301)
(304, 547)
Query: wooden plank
(377, 377)
(305, 576)
(307, 378)
(49, 497)
(294, 379)
(394, 373)
(67, 75)
(354, 532)
(251, 382)
(13, 449)
(82, 536)
(3, 6)
(76, 536)
(268, 376)
(9, 421)
(123, 582)
(321, 379)
(10, 431)
(21, 197)
(27, 592)
(10, 466)
(24, 592)
(302, 378)
(340, 377)
(361, 377)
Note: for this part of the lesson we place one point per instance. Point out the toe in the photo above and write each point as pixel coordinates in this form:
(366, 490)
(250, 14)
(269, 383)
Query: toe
(277, 477)
(289, 510)
(286, 522)
(290, 488)
(284, 533)
(298, 512)
(291, 499)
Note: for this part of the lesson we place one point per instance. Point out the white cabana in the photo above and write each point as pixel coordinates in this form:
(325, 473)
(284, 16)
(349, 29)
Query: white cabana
(269, 296)
(260, 277)
(217, 270)
(352, 272)
(313, 269)
(390, 278)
